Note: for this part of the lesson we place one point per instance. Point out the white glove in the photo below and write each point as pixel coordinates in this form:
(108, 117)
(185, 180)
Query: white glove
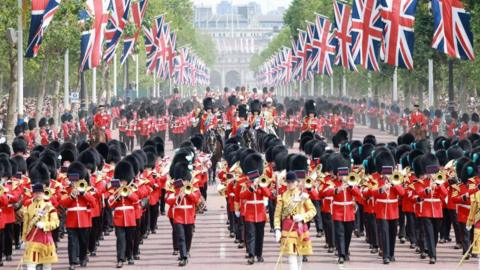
(469, 228)
(304, 196)
(278, 235)
(298, 218)
(297, 199)
(40, 224)
(237, 214)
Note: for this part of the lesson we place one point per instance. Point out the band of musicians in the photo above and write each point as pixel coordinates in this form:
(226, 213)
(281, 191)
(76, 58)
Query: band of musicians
(288, 170)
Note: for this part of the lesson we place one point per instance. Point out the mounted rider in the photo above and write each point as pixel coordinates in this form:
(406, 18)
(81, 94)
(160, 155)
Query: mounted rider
(102, 121)
(208, 120)
(310, 120)
(256, 120)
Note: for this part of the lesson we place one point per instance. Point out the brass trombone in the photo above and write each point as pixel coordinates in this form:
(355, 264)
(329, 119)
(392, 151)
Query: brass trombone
(397, 178)
(440, 177)
(353, 179)
(263, 181)
(187, 189)
(81, 186)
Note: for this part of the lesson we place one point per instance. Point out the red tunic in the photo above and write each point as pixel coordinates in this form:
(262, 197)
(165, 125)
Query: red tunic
(183, 209)
(78, 210)
(254, 204)
(123, 210)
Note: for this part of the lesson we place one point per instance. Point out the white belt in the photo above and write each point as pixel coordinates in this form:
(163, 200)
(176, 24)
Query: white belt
(183, 207)
(343, 203)
(328, 198)
(231, 194)
(254, 202)
(387, 200)
(123, 208)
(432, 200)
(464, 206)
(78, 208)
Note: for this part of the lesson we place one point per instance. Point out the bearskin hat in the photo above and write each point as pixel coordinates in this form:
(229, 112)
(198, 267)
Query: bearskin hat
(39, 174)
(438, 113)
(337, 161)
(32, 124)
(151, 160)
(384, 159)
(181, 171)
(208, 103)
(242, 111)
(430, 163)
(468, 171)
(255, 106)
(67, 155)
(19, 145)
(475, 117)
(87, 158)
(454, 152)
(42, 122)
(310, 107)
(232, 100)
(370, 139)
(124, 171)
(252, 165)
(197, 141)
(5, 148)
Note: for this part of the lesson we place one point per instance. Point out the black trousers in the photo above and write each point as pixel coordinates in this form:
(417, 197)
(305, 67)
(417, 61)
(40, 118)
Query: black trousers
(17, 231)
(2, 239)
(328, 228)
(77, 244)
(317, 218)
(154, 212)
(359, 219)
(174, 236)
(464, 237)
(203, 191)
(130, 141)
(95, 233)
(231, 221)
(371, 228)
(453, 218)
(410, 227)
(401, 223)
(420, 234)
(343, 236)
(145, 222)
(125, 237)
(446, 225)
(272, 204)
(107, 218)
(137, 238)
(8, 239)
(254, 238)
(432, 229)
(387, 231)
(162, 201)
(184, 238)
(239, 230)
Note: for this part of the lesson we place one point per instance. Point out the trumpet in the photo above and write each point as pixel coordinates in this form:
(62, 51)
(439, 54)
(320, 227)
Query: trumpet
(353, 179)
(397, 178)
(2, 190)
(125, 191)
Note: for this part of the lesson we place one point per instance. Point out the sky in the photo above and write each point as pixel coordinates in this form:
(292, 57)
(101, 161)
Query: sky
(267, 5)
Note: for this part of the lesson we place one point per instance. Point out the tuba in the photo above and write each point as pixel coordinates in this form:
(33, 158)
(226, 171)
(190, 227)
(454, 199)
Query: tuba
(263, 181)
(440, 177)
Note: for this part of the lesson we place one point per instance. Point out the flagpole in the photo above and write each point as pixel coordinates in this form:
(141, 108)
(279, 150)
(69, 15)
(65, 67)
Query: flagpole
(136, 75)
(430, 83)
(344, 84)
(66, 91)
(20, 59)
(94, 85)
(322, 89)
(312, 86)
(395, 85)
(331, 85)
(369, 84)
(83, 100)
(154, 94)
(115, 75)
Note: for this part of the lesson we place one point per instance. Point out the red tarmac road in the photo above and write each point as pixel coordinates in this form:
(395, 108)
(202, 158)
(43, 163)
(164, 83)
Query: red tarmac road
(212, 248)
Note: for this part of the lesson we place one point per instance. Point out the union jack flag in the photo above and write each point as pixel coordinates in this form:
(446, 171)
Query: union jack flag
(152, 43)
(367, 27)
(163, 41)
(343, 24)
(286, 64)
(181, 66)
(301, 58)
(91, 40)
(119, 10)
(324, 42)
(171, 53)
(311, 53)
(42, 15)
(138, 13)
(398, 33)
(453, 35)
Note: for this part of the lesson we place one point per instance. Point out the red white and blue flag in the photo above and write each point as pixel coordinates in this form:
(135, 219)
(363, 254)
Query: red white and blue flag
(91, 40)
(324, 42)
(453, 35)
(138, 10)
(119, 10)
(152, 43)
(367, 27)
(398, 33)
(343, 24)
(42, 15)
(300, 57)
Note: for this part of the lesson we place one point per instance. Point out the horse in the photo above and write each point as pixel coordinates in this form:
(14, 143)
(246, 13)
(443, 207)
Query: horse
(213, 145)
(418, 132)
(98, 135)
(249, 137)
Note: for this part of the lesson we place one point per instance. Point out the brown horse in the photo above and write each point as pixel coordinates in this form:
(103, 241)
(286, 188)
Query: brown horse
(213, 145)
(418, 132)
(98, 136)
